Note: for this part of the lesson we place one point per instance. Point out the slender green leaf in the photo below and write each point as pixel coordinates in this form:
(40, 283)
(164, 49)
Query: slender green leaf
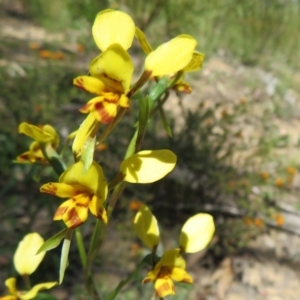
(137, 96)
(165, 122)
(64, 255)
(54, 159)
(131, 146)
(144, 111)
(44, 296)
(158, 90)
(53, 242)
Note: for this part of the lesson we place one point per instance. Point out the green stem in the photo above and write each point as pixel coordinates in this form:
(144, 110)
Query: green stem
(80, 245)
(53, 158)
(112, 125)
(117, 179)
(142, 80)
(93, 249)
(27, 281)
(175, 79)
(159, 105)
(129, 278)
(153, 296)
(118, 190)
(62, 152)
(97, 238)
(100, 228)
(153, 255)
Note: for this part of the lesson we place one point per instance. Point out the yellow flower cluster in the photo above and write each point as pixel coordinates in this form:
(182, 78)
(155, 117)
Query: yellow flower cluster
(83, 183)
(195, 235)
(112, 70)
(26, 262)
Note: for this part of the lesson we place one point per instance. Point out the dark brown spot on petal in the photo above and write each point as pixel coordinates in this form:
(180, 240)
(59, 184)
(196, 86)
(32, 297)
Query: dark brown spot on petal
(73, 218)
(79, 83)
(146, 280)
(79, 204)
(117, 82)
(102, 216)
(114, 99)
(163, 288)
(24, 157)
(85, 108)
(49, 189)
(60, 212)
(104, 117)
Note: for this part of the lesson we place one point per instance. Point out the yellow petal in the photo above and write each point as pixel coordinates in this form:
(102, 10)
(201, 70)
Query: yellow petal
(25, 259)
(51, 130)
(164, 287)
(89, 84)
(73, 212)
(9, 297)
(103, 108)
(33, 155)
(143, 40)
(92, 181)
(148, 166)
(92, 105)
(88, 128)
(61, 190)
(171, 57)
(11, 285)
(39, 134)
(181, 275)
(124, 101)
(146, 228)
(195, 63)
(196, 233)
(33, 292)
(171, 258)
(114, 68)
(97, 209)
(112, 26)
(151, 276)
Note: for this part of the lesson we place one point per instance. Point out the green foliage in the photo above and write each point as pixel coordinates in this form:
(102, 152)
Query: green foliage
(53, 242)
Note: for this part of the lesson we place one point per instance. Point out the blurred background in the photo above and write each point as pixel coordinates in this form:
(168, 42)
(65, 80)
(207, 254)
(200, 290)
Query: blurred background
(236, 137)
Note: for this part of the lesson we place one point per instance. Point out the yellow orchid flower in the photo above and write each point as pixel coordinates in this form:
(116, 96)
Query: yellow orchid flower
(195, 235)
(45, 134)
(111, 73)
(22, 295)
(111, 77)
(194, 64)
(112, 70)
(87, 191)
(26, 260)
(171, 266)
